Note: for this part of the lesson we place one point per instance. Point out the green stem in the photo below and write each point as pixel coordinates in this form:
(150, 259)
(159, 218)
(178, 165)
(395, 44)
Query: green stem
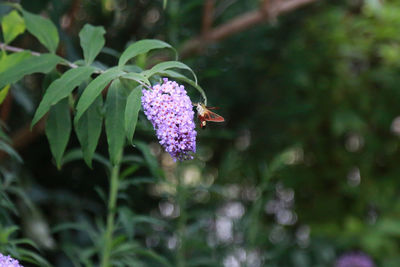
(181, 195)
(257, 209)
(105, 259)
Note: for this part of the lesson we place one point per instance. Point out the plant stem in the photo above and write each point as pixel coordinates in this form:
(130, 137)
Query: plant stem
(105, 258)
(181, 195)
(10, 48)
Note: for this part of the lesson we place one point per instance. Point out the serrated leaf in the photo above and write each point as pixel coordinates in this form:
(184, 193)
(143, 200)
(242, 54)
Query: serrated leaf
(160, 67)
(13, 25)
(92, 41)
(141, 47)
(136, 77)
(132, 109)
(114, 120)
(94, 89)
(181, 77)
(88, 129)
(43, 29)
(58, 129)
(10, 151)
(60, 89)
(43, 64)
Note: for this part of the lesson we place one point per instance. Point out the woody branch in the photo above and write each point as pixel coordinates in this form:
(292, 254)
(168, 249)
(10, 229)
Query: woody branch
(268, 11)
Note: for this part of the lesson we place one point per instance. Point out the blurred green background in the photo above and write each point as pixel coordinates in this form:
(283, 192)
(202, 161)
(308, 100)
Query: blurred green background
(305, 168)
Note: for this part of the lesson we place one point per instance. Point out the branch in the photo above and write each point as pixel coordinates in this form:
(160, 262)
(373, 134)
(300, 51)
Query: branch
(3, 46)
(24, 136)
(208, 17)
(268, 10)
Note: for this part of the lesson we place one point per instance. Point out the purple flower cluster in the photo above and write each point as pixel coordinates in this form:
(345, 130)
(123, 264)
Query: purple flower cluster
(354, 259)
(170, 110)
(7, 261)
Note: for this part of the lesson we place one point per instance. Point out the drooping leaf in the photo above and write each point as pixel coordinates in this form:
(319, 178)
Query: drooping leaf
(58, 129)
(33, 64)
(132, 109)
(29, 256)
(141, 47)
(150, 159)
(136, 77)
(43, 29)
(7, 61)
(181, 77)
(4, 136)
(88, 129)
(114, 120)
(95, 88)
(160, 67)
(4, 92)
(92, 41)
(154, 256)
(61, 88)
(13, 25)
(9, 150)
(77, 154)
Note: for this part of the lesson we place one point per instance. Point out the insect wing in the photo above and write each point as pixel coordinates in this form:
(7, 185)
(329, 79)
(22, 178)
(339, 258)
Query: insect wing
(211, 116)
(212, 108)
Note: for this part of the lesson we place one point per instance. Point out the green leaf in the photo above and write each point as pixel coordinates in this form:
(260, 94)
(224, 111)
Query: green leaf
(13, 25)
(136, 77)
(43, 29)
(6, 232)
(92, 41)
(4, 92)
(10, 151)
(4, 136)
(150, 159)
(43, 64)
(60, 89)
(88, 129)
(114, 120)
(95, 88)
(76, 154)
(141, 47)
(178, 76)
(28, 256)
(58, 129)
(154, 256)
(7, 61)
(160, 67)
(132, 112)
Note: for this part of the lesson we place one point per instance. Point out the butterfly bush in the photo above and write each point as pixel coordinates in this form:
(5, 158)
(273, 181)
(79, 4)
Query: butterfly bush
(168, 107)
(7, 261)
(354, 259)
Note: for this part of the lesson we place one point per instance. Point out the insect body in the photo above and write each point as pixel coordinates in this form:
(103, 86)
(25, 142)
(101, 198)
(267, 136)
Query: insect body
(204, 114)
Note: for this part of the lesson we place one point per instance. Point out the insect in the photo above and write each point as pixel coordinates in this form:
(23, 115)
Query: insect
(204, 114)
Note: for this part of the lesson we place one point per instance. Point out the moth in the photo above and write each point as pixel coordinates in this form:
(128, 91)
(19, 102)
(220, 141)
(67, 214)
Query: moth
(204, 114)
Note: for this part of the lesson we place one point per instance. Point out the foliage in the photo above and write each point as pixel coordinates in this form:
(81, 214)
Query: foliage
(304, 170)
